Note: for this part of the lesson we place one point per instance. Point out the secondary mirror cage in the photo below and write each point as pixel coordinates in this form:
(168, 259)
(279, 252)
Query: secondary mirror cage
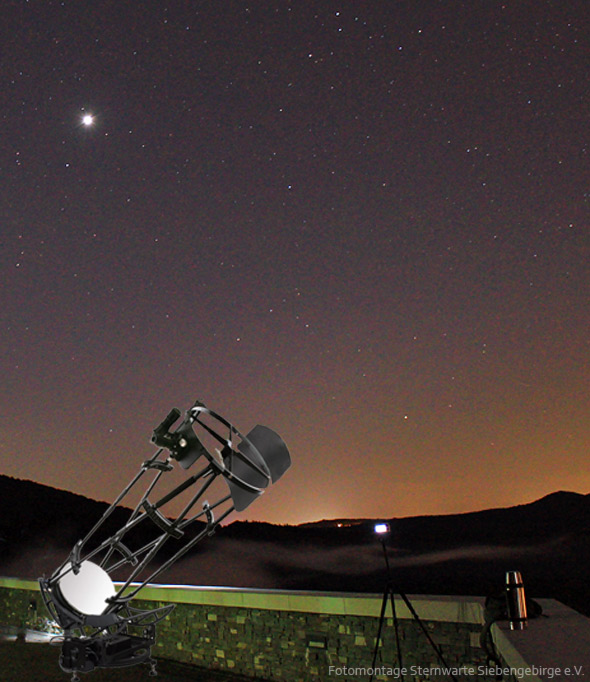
(245, 464)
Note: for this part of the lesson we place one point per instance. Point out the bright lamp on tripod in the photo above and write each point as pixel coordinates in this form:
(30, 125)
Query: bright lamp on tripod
(381, 529)
(101, 627)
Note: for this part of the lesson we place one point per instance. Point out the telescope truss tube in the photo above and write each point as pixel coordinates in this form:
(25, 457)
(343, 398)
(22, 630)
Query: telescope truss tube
(101, 628)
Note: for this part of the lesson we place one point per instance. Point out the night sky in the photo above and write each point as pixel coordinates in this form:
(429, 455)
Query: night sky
(365, 225)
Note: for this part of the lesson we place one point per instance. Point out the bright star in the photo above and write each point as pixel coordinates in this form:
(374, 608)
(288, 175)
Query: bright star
(87, 119)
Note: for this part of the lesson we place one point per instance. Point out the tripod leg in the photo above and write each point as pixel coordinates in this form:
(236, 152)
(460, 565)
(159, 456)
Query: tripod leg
(387, 594)
(396, 628)
(433, 644)
(381, 619)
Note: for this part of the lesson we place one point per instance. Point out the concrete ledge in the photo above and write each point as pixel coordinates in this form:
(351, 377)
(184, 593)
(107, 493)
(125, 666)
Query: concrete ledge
(553, 648)
(434, 608)
(447, 609)
(19, 584)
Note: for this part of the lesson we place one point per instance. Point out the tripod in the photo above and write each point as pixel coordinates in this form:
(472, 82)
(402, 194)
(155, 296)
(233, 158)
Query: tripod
(389, 595)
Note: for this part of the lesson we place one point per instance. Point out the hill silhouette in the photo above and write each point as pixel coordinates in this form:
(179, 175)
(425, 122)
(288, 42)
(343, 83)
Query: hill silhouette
(547, 540)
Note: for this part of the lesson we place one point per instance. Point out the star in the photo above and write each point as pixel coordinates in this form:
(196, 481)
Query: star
(87, 119)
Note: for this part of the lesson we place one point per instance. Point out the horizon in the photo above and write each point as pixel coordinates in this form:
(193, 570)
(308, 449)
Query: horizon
(236, 518)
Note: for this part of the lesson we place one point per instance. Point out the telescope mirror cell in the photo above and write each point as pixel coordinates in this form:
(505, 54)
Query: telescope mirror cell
(88, 591)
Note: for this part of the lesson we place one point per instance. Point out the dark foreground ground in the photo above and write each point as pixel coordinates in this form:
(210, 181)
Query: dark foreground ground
(33, 662)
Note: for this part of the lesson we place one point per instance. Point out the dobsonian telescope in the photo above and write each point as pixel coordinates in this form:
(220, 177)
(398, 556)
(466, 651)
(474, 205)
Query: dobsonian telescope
(102, 628)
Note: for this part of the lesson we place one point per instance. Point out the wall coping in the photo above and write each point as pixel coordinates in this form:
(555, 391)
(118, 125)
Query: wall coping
(556, 641)
(459, 609)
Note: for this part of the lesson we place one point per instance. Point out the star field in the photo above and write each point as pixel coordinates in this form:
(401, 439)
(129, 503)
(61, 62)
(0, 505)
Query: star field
(365, 227)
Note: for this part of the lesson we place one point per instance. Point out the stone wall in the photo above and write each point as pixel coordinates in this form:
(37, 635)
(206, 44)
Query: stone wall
(291, 646)
(290, 636)
(21, 606)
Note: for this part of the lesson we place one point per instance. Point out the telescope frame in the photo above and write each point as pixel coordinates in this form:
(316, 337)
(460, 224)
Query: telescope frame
(110, 638)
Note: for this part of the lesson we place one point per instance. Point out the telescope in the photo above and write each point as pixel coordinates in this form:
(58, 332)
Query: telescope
(102, 628)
